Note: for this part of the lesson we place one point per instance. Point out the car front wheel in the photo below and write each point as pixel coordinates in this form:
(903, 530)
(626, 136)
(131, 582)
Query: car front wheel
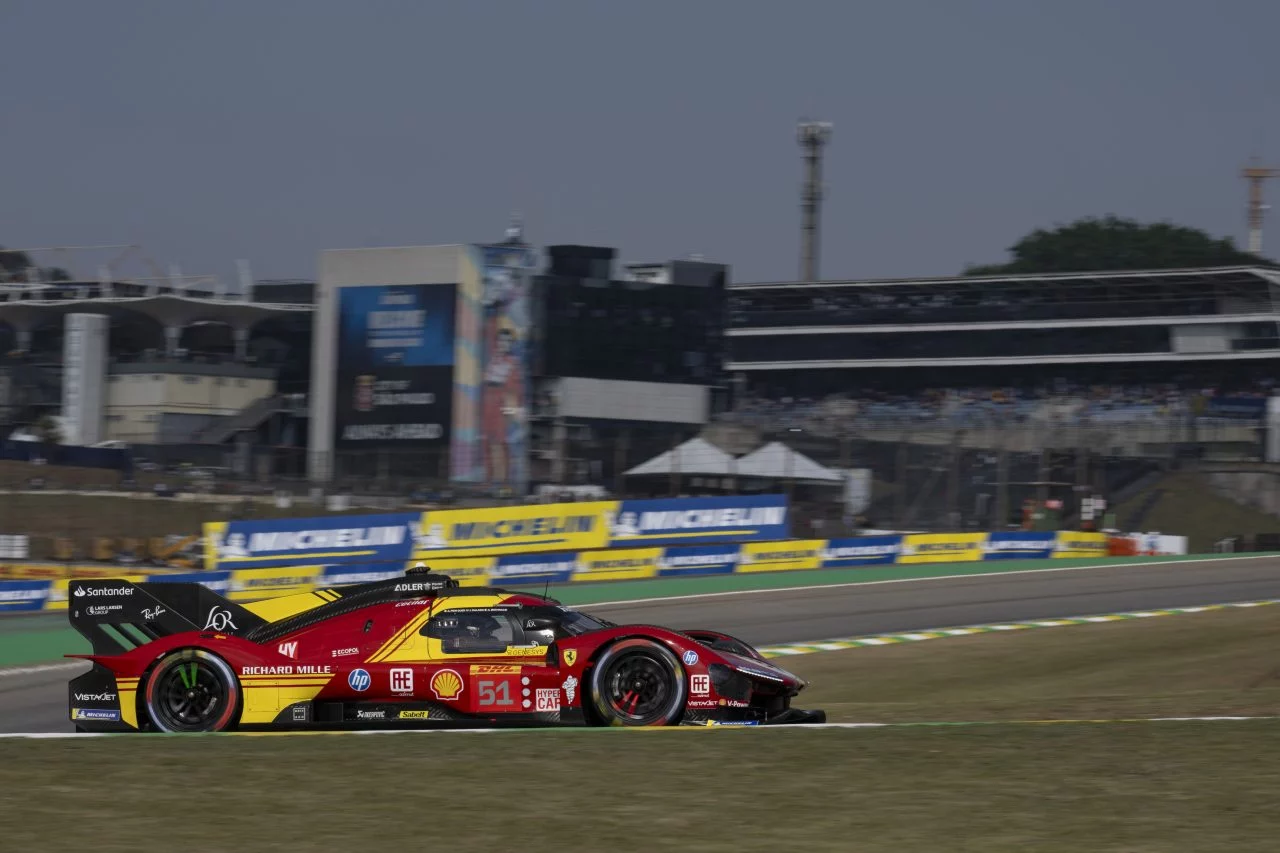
(638, 682)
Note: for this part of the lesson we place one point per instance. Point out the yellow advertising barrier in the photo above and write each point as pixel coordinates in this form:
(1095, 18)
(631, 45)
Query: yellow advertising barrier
(942, 547)
(790, 555)
(514, 529)
(256, 584)
(467, 571)
(55, 571)
(1071, 544)
(618, 565)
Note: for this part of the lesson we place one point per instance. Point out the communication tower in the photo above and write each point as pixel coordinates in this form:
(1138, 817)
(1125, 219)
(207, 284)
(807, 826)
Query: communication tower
(813, 137)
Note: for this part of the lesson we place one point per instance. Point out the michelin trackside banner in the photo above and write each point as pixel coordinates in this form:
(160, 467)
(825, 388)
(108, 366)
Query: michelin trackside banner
(371, 540)
(375, 541)
(248, 584)
(601, 524)
(1020, 545)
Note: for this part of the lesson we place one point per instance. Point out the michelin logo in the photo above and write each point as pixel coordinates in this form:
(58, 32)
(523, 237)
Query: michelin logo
(236, 546)
(1034, 545)
(861, 552)
(689, 561)
(543, 568)
(434, 537)
(630, 525)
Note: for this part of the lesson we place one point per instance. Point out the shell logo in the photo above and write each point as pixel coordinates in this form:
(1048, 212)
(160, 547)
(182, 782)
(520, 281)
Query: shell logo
(446, 684)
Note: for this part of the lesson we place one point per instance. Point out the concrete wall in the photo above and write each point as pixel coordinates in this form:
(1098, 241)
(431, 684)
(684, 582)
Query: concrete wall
(135, 402)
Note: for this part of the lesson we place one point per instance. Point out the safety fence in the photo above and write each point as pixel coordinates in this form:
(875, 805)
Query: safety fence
(612, 564)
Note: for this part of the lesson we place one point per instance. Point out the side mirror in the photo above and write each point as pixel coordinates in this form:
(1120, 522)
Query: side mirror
(539, 624)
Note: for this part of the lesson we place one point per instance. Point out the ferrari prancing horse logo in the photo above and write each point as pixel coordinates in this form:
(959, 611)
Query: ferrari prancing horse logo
(570, 657)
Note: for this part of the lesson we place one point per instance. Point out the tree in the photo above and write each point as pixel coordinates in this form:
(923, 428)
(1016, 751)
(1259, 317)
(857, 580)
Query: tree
(48, 430)
(1093, 245)
(14, 265)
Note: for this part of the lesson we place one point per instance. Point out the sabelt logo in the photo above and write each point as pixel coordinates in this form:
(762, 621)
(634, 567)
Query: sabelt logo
(97, 591)
(414, 715)
(95, 697)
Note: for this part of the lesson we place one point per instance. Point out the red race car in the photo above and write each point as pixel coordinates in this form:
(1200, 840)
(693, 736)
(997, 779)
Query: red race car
(413, 651)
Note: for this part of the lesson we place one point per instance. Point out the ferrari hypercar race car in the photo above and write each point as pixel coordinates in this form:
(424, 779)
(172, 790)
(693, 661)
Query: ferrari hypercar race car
(418, 650)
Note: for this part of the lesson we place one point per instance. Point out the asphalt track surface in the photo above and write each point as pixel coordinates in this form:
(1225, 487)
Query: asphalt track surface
(36, 702)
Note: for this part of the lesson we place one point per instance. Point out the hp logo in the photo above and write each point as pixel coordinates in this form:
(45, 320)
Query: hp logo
(690, 658)
(359, 680)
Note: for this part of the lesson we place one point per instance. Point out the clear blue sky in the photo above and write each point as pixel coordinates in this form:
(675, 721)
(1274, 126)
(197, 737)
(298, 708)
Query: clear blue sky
(272, 129)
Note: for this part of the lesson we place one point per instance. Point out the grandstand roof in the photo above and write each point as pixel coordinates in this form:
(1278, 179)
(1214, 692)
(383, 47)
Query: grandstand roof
(21, 306)
(1188, 276)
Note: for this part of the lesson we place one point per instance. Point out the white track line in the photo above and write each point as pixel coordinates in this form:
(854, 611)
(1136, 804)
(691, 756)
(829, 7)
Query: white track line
(802, 727)
(821, 586)
(48, 667)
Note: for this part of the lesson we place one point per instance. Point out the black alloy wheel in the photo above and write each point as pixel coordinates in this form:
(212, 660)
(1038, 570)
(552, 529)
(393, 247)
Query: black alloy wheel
(192, 691)
(639, 683)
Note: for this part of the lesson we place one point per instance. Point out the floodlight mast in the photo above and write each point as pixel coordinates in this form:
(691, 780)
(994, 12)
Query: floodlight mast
(813, 137)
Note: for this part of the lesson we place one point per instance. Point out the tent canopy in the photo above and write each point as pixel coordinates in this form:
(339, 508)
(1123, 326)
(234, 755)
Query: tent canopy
(776, 461)
(695, 456)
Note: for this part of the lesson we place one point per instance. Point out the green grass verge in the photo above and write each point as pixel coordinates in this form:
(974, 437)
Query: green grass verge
(1216, 663)
(997, 788)
(1190, 506)
(1130, 787)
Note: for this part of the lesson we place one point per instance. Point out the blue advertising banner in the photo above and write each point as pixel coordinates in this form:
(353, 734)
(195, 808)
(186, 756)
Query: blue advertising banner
(384, 326)
(1019, 545)
(861, 551)
(370, 541)
(16, 596)
(694, 520)
(395, 365)
(534, 568)
(699, 560)
(219, 582)
(345, 575)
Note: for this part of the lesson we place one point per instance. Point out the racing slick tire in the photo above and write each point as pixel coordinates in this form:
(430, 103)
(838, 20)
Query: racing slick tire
(193, 690)
(638, 682)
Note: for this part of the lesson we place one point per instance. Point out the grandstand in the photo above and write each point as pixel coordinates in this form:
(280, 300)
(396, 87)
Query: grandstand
(1072, 385)
(187, 360)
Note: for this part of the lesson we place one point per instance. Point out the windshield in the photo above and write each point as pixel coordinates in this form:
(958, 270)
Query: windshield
(575, 623)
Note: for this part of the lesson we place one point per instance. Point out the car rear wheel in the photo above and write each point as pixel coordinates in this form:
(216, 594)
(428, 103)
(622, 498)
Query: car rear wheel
(638, 683)
(192, 691)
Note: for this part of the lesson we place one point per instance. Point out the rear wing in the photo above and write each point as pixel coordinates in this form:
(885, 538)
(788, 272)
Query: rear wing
(116, 616)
